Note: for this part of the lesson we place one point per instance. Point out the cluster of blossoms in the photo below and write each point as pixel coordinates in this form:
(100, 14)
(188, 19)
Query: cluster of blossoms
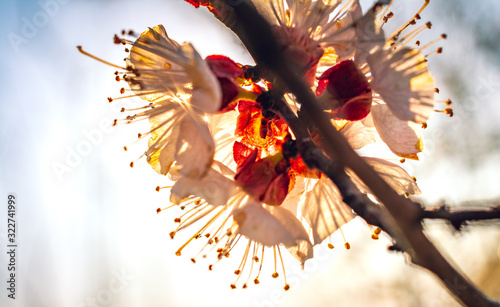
(234, 163)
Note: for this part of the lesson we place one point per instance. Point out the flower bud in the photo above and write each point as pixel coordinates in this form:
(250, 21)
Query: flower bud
(348, 94)
(266, 179)
(226, 70)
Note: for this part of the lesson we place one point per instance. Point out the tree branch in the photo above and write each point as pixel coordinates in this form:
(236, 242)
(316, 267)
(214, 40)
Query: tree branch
(459, 217)
(257, 36)
(314, 157)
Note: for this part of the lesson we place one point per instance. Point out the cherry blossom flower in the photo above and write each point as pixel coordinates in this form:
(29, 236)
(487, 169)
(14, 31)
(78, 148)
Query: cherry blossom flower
(233, 159)
(181, 88)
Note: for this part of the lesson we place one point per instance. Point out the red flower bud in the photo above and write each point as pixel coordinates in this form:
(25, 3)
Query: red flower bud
(241, 152)
(266, 179)
(223, 67)
(226, 70)
(229, 93)
(349, 95)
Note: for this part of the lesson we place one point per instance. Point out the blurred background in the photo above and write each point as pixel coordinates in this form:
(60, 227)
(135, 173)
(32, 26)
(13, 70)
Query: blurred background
(88, 233)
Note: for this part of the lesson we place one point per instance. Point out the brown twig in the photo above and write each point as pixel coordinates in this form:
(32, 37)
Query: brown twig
(314, 157)
(460, 217)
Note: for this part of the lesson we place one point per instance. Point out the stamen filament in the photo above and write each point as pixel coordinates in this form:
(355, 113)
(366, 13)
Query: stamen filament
(256, 280)
(438, 51)
(186, 222)
(346, 244)
(275, 274)
(404, 40)
(287, 286)
(432, 42)
(383, 14)
(395, 34)
(254, 251)
(98, 59)
(161, 209)
(178, 252)
(243, 262)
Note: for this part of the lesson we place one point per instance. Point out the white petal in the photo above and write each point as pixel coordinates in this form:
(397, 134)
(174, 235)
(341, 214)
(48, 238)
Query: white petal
(355, 35)
(403, 137)
(302, 251)
(343, 34)
(358, 135)
(324, 210)
(157, 58)
(403, 80)
(339, 39)
(194, 147)
(161, 151)
(369, 37)
(213, 187)
(392, 173)
(293, 198)
(165, 68)
(162, 159)
(272, 226)
(223, 169)
(222, 127)
(223, 121)
(368, 121)
(207, 93)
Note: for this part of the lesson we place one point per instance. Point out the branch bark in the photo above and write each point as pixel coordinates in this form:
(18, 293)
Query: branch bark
(459, 217)
(314, 157)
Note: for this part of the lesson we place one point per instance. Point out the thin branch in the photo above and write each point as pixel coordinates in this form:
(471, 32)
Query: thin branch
(459, 217)
(314, 157)
(257, 36)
